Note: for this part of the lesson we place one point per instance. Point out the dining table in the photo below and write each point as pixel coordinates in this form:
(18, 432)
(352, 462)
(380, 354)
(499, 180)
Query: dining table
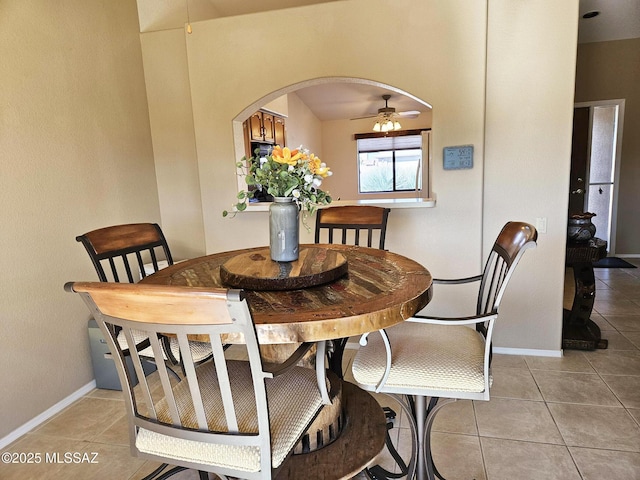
(332, 292)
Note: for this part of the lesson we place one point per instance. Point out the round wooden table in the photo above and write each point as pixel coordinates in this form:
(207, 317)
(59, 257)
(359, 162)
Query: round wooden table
(378, 290)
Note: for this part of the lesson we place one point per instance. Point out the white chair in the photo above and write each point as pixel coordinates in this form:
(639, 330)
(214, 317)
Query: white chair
(229, 417)
(442, 358)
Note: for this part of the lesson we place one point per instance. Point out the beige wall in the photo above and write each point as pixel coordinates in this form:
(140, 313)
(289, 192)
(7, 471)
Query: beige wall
(530, 78)
(607, 71)
(519, 122)
(75, 154)
(171, 119)
(303, 127)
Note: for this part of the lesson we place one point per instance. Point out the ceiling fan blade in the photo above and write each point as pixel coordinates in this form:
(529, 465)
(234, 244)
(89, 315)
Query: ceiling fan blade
(367, 116)
(409, 114)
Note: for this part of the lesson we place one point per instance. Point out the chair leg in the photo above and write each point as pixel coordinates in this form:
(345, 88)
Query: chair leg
(434, 407)
(377, 472)
(380, 473)
(165, 475)
(421, 418)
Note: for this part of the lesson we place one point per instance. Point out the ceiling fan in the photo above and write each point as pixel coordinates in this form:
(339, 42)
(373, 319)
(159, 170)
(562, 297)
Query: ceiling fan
(388, 113)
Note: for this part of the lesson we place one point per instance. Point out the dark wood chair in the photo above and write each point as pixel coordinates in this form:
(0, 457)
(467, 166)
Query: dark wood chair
(230, 417)
(351, 223)
(127, 253)
(126, 249)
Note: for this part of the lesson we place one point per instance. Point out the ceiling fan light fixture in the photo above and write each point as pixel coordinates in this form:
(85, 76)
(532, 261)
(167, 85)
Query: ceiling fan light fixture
(386, 119)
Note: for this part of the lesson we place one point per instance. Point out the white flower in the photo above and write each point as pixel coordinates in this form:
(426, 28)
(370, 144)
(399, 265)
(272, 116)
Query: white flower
(317, 182)
(296, 193)
(308, 178)
(291, 169)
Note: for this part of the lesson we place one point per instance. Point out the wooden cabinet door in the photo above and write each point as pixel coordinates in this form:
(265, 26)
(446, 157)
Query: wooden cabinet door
(268, 134)
(278, 131)
(255, 127)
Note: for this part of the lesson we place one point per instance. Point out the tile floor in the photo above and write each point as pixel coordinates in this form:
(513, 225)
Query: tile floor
(576, 417)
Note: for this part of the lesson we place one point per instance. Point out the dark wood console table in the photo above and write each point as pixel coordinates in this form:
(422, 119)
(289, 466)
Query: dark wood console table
(579, 332)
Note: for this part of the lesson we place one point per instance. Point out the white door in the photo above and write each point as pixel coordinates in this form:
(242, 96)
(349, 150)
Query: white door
(605, 140)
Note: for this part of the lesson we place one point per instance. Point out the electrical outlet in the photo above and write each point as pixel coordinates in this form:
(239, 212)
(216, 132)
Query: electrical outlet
(541, 224)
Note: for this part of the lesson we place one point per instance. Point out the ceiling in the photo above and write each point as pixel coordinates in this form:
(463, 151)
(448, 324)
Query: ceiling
(336, 101)
(618, 19)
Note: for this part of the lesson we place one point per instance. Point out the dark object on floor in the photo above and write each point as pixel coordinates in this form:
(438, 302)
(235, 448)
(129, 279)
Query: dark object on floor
(612, 262)
(579, 332)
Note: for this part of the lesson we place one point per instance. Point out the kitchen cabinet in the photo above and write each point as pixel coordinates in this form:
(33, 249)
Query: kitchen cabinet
(263, 129)
(278, 131)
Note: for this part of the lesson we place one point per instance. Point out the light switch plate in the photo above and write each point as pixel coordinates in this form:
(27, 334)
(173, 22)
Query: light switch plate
(541, 224)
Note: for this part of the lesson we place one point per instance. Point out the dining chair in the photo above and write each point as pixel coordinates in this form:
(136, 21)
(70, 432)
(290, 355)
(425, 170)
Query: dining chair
(443, 359)
(353, 225)
(127, 253)
(350, 222)
(230, 417)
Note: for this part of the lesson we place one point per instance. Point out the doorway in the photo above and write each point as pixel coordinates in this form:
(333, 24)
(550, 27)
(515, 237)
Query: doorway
(595, 161)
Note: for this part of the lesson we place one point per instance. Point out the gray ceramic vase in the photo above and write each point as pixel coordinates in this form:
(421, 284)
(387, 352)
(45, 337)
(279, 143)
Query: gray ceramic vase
(284, 229)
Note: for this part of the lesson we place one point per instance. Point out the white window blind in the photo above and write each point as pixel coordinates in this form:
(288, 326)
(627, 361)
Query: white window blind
(389, 143)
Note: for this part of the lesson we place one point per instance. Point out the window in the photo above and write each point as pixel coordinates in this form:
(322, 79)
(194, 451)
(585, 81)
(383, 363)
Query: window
(390, 163)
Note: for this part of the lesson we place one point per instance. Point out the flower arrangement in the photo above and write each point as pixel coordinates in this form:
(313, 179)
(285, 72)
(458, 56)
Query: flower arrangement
(285, 173)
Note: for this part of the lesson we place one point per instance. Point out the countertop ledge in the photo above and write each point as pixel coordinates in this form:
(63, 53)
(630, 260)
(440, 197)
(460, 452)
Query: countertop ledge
(378, 202)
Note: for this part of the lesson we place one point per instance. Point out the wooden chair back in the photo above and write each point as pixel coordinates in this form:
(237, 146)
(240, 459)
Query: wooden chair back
(510, 245)
(120, 252)
(350, 221)
(217, 419)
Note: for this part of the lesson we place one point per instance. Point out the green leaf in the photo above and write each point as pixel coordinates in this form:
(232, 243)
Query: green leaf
(225, 213)
(241, 207)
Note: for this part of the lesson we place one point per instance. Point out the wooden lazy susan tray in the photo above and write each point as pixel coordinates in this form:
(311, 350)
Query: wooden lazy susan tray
(256, 271)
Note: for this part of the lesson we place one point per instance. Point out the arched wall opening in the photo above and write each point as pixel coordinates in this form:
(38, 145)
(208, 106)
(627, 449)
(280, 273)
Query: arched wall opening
(337, 109)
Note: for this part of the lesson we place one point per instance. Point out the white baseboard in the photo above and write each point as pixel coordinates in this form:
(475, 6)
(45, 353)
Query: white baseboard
(47, 414)
(532, 352)
(629, 255)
